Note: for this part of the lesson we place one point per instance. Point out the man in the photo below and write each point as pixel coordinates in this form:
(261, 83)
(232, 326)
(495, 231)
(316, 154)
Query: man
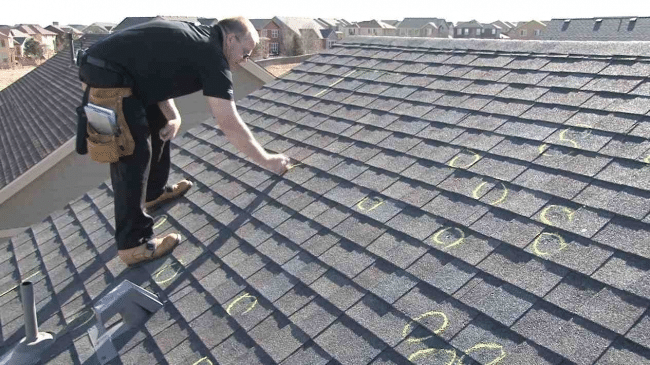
(160, 60)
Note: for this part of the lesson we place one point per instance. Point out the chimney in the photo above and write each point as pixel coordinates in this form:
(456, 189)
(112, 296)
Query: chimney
(56, 24)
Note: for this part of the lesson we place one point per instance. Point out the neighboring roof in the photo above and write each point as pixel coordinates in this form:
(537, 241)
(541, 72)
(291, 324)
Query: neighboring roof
(448, 198)
(607, 29)
(78, 26)
(94, 28)
(325, 33)
(69, 29)
(503, 25)
(260, 23)
(529, 23)
(333, 23)
(298, 24)
(375, 24)
(132, 21)
(55, 29)
(25, 29)
(37, 113)
(391, 22)
(417, 23)
(5, 32)
(470, 24)
(108, 26)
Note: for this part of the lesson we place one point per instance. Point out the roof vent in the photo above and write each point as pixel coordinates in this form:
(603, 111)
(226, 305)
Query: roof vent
(632, 19)
(597, 25)
(565, 25)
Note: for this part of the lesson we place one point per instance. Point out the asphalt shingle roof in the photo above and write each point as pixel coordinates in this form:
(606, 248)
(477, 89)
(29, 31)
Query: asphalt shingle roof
(33, 123)
(599, 29)
(474, 223)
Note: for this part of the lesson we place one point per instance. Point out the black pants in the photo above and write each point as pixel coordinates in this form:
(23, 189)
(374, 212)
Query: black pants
(141, 176)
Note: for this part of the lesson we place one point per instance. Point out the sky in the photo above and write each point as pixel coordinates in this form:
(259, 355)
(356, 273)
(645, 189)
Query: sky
(44, 12)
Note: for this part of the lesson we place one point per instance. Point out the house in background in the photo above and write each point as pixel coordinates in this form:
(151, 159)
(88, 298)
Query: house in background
(505, 26)
(394, 23)
(530, 30)
(299, 35)
(7, 49)
(96, 28)
(42, 36)
(424, 27)
(376, 28)
(474, 29)
(62, 33)
(79, 27)
(599, 29)
(330, 37)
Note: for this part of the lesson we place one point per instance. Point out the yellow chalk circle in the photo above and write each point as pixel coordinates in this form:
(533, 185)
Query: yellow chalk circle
(560, 239)
(290, 166)
(647, 159)
(241, 297)
(160, 221)
(475, 192)
(452, 163)
(542, 148)
(436, 237)
(175, 266)
(503, 196)
(431, 351)
(441, 329)
(89, 315)
(543, 215)
(564, 139)
(376, 202)
(487, 346)
(204, 360)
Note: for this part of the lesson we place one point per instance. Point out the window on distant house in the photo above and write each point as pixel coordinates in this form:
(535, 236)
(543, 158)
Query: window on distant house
(494, 31)
(264, 33)
(329, 43)
(538, 32)
(274, 33)
(2, 43)
(274, 49)
(466, 31)
(402, 32)
(523, 32)
(429, 31)
(459, 31)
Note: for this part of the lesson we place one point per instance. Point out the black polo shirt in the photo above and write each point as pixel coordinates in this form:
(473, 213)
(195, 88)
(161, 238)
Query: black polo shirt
(168, 59)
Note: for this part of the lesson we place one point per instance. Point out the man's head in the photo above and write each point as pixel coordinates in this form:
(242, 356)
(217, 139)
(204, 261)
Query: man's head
(239, 39)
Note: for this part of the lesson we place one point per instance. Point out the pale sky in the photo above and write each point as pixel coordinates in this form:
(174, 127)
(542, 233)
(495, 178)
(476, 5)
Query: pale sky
(44, 12)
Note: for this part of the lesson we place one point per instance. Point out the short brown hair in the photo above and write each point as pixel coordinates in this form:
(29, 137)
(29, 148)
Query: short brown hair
(239, 26)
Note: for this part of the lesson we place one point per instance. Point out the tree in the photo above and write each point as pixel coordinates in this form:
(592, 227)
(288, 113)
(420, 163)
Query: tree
(261, 50)
(33, 48)
(296, 47)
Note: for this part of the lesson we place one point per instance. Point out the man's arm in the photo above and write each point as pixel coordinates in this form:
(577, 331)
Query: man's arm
(169, 110)
(238, 133)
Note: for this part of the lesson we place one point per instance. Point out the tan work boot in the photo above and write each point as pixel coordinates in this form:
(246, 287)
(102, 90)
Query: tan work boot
(170, 193)
(155, 248)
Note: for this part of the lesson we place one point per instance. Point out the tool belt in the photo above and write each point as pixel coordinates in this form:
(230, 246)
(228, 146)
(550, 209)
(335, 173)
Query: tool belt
(108, 148)
(104, 148)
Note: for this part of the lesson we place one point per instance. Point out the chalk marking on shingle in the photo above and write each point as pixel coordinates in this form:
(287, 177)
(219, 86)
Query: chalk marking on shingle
(542, 216)
(441, 329)
(430, 351)
(647, 159)
(476, 191)
(378, 201)
(563, 138)
(489, 346)
(241, 297)
(542, 148)
(90, 315)
(436, 237)
(16, 286)
(161, 220)
(503, 196)
(164, 268)
(452, 163)
(202, 360)
(539, 252)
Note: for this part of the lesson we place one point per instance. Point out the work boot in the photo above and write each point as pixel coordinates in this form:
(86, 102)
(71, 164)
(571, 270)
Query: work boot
(170, 193)
(155, 248)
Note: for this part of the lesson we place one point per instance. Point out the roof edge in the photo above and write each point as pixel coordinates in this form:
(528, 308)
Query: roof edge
(37, 170)
(592, 48)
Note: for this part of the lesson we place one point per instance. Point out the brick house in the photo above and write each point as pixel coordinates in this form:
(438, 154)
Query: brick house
(7, 49)
(527, 30)
(42, 36)
(376, 28)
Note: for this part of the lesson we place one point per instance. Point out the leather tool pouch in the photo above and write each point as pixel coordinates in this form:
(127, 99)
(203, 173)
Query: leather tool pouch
(105, 148)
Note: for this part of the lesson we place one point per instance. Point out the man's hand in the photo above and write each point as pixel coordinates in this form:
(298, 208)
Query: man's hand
(170, 130)
(277, 163)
